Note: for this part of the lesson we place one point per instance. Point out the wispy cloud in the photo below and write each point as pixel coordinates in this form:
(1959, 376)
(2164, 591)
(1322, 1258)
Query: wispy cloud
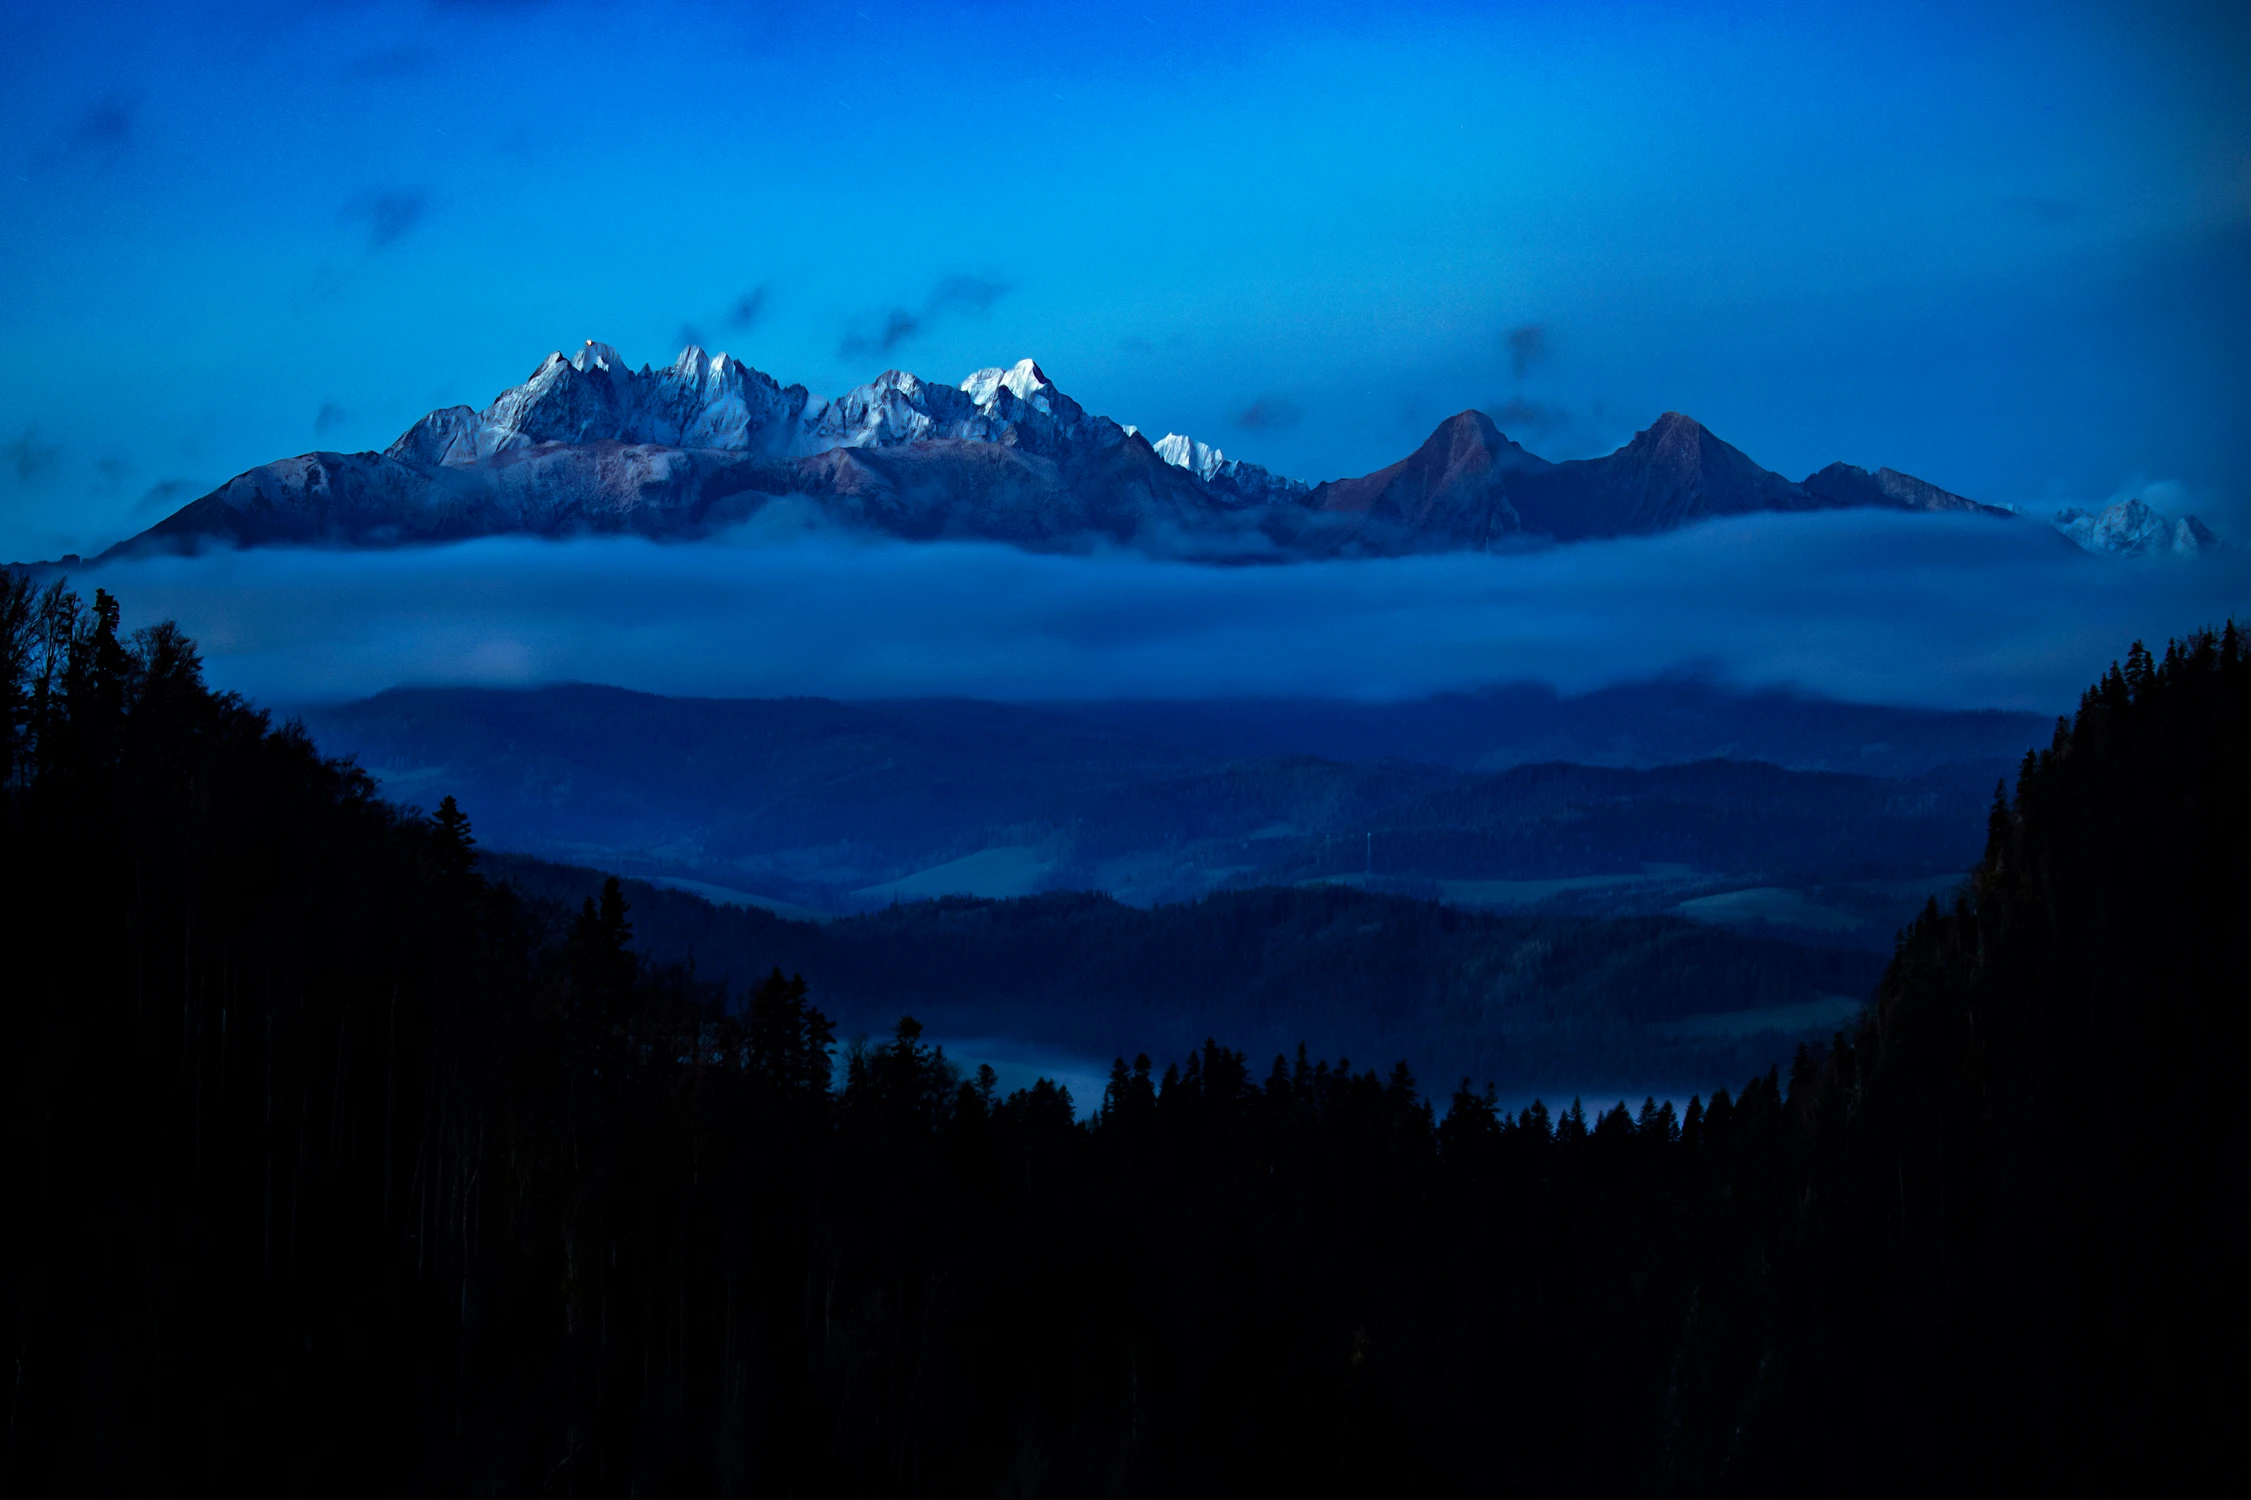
(388, 216)
(880, 334)
(1270, 414)
(1518, 417)
(971, 293)
(163, 497)
(106, 126)
(899, 325)
(748, 309)
(744, 314)
(32, 459)
(1529, 346)
(100, 135)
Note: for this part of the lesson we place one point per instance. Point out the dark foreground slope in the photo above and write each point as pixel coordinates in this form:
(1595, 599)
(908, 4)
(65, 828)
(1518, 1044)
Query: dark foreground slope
(329, 1173)
(2025, 1212)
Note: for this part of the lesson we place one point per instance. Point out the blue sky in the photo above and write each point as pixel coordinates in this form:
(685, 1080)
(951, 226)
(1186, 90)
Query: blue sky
(2004, 247)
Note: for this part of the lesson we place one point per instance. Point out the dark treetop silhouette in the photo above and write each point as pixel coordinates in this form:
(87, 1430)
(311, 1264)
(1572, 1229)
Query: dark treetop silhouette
(335, 1168)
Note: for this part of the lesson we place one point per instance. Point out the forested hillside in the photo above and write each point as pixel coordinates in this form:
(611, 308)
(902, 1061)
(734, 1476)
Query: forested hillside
(332, 1171)
(823, 805)
(1524, 1002)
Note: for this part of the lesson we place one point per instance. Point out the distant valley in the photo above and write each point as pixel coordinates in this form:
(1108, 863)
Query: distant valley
(1826, 821)
(1069, 980)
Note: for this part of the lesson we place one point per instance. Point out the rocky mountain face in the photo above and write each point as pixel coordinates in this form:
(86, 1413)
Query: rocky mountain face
(588, 444)
(1232, 476)
(1847, 484)
(1470, 485)
(2130, 528)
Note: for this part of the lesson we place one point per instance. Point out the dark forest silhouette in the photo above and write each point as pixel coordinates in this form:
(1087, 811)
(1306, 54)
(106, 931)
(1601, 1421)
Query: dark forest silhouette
(334, 1168)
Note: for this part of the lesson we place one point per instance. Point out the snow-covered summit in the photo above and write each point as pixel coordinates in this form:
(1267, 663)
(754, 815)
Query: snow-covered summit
(715, 402)
(1024, 380)
(1215, 468)
(2130, 528)
(597, 356)
(1184, 452)
(698, 401)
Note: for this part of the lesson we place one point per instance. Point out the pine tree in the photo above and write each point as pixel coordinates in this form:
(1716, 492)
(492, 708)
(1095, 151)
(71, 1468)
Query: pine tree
(454, 849)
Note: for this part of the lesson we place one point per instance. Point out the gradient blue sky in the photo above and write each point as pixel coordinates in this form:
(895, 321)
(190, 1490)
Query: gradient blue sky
(2005, 247)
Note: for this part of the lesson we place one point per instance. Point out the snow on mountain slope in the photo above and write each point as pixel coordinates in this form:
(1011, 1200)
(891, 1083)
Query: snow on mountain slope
(1246, 480)
(588, 443)
(2129, 528)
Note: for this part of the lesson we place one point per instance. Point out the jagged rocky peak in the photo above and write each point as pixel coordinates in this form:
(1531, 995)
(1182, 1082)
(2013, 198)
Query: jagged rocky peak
(900, 407)
(895, 407)
(698, 401)
(1184, 452)
(715, 402)
(1246, 481)
(595, 355)
(1021, 399)
(2131, 528)
(1672, 441)
(1843, 484)
(587, 441)
(1679, 443)
(1024, 380)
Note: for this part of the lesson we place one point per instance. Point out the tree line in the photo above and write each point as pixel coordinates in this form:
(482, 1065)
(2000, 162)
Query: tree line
(335, 1167)
(1525, 1001)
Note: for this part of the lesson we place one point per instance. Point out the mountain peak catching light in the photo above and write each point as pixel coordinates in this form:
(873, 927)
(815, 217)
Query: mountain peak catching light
(1184, 452)
(598, 356)
(590, 444)
(2130, 528)
(1024, 380)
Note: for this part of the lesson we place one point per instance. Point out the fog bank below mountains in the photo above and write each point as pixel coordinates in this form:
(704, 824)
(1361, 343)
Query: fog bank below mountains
(1930, 610)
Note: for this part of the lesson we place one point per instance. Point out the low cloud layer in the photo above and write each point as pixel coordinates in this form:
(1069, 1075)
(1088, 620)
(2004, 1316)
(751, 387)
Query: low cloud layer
(1955, 612)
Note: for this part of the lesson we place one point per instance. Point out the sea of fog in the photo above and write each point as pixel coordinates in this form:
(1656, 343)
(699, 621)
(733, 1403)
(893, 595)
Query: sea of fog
(1942, 611)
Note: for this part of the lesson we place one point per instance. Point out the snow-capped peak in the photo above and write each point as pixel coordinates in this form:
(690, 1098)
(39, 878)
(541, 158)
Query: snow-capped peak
(1184, 452)
(599, 356)
(1024, 380)
(1215, 468)
(2130, 528)
(981, 384)
(714, 402)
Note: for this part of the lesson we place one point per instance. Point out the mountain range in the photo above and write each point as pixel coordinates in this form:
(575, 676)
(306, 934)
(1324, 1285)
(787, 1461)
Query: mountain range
(1669, 797)
(588, 444)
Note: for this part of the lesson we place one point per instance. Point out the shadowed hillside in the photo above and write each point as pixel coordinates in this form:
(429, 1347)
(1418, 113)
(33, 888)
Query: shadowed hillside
(820, 806)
